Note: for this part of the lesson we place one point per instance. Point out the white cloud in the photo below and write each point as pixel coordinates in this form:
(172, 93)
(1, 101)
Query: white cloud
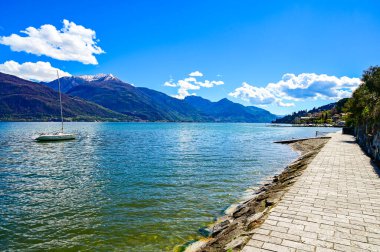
(169, 84)
(73, 42)
(196, 74)
(254, 95)
(297, 88)
(39, 71)
(191, 83)
(209, 84)
(285, 104)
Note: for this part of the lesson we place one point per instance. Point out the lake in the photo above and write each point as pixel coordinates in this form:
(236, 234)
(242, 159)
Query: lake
(129, 186)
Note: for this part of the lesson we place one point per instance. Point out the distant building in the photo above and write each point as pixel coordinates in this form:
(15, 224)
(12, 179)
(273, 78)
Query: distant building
(336, 117)
(297, 120)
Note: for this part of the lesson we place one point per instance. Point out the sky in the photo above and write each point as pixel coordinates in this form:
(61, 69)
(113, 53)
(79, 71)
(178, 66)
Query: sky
(283, 56)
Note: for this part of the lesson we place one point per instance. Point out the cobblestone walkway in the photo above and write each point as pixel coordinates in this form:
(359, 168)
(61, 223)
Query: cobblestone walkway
(333, 206)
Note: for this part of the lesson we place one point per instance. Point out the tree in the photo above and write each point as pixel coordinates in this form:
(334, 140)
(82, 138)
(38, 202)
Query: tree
(364, 106)
(371, 78)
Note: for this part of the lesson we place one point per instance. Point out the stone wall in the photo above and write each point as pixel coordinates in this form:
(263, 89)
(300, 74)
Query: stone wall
(368, 138)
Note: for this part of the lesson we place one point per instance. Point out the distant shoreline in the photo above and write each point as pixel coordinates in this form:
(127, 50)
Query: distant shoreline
(268, 124)
(117, 121)
(303, 125)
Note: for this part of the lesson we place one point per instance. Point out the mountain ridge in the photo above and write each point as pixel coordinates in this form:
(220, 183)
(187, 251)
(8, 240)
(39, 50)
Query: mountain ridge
(124, 101)
(225, 110)
(25, 100)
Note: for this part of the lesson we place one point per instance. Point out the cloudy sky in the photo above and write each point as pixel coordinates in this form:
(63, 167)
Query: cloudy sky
(280, 55)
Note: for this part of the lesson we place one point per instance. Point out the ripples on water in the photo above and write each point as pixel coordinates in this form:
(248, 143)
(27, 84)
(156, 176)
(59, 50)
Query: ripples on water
(128, 186)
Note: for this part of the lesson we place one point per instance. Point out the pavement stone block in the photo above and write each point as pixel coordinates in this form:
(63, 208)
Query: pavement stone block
(333, 206)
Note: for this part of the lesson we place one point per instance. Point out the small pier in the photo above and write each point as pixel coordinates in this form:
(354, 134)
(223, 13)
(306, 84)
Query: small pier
(300, 139)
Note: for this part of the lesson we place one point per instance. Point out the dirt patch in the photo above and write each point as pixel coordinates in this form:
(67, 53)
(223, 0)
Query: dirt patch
(233, 230)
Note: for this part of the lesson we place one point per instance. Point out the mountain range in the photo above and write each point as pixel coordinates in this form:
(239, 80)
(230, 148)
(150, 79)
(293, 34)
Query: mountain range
(105, 97)
(22, 100)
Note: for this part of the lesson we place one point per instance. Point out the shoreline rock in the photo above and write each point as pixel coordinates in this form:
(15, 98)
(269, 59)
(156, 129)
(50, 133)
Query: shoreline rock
(232, 231)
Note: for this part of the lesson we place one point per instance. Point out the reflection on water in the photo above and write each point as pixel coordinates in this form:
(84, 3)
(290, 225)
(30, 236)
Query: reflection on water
(128, 186)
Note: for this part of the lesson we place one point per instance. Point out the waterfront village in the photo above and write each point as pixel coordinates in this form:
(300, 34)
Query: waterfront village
(321, 119)
(330, 115)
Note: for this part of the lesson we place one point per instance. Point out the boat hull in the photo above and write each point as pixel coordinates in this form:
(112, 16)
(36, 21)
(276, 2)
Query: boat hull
(55, 137)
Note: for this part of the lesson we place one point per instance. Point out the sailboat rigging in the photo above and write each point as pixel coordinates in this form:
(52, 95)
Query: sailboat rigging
(58, 136)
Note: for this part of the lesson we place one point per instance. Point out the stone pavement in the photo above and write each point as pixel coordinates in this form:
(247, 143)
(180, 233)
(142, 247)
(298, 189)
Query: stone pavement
(333, 206)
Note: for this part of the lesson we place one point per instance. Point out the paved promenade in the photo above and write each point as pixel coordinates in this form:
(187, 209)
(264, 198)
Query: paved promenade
(333, 206)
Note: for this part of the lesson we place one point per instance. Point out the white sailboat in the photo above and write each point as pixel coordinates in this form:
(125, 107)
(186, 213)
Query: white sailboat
(58, 136)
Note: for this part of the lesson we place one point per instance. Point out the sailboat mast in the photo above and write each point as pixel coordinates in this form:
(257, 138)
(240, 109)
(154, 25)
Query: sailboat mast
(60, 101)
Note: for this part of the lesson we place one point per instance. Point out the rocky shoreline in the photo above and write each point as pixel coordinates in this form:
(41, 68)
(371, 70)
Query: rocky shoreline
(233, 230)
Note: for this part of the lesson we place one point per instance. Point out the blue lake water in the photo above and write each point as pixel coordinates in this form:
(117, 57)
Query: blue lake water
(129, 186)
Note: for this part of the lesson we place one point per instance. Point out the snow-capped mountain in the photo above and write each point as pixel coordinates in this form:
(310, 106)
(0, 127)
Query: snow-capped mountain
(98, 77)
(72, 81)
(22, 99)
